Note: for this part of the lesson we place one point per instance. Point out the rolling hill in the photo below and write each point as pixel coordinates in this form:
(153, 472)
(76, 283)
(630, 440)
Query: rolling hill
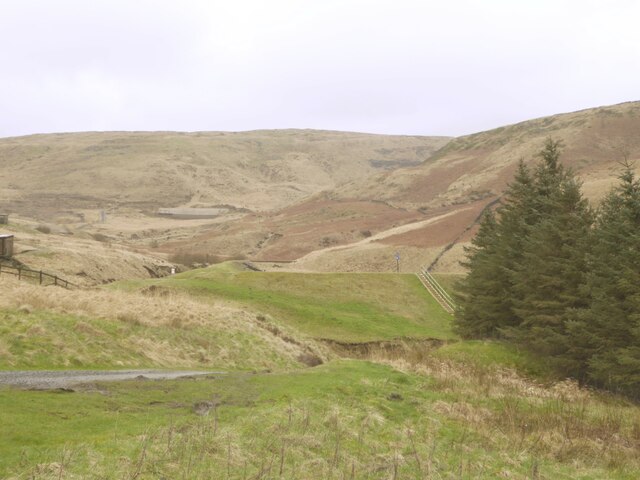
(42, 175)
(317, 200)
(420, 210)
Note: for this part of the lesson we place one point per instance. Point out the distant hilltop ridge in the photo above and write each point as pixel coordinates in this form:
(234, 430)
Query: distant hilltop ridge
(256, 171)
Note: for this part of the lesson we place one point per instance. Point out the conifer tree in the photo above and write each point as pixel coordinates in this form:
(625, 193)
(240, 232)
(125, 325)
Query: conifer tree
(485, 300)
(477, 295)
(548, 176)
(489, 294)
(517, 216)
(499, 297)
(609, 332)
(548, 283)
(543, 275)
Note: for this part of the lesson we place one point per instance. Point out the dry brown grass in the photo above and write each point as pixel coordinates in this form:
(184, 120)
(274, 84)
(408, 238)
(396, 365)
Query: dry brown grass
(80, 258)
(470, 168)
(558, 420)
(258, 170)
(159, 310)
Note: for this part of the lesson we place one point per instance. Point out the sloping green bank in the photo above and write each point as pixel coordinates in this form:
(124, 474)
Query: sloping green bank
(345, 307)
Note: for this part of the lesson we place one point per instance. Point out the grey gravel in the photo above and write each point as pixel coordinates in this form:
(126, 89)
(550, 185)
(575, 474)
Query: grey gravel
(53, 379)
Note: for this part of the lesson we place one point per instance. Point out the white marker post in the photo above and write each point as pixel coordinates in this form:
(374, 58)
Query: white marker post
(397, 255)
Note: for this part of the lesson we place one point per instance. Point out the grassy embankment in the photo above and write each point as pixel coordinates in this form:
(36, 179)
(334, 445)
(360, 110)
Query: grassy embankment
(461, 411)
(52, 328)
(343, 307)
(213, 318)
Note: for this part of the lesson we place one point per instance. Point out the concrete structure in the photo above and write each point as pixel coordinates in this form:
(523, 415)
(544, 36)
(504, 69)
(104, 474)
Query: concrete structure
(6, 246)
(192, 213)
(4, 218)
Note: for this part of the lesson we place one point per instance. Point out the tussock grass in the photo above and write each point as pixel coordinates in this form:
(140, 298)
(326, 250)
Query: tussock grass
(552, 419)
(305, 441)
(345, 419)
(53, 328)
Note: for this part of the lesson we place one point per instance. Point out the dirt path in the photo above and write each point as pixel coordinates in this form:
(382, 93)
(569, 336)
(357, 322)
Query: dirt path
(379, 236)
(51, 379)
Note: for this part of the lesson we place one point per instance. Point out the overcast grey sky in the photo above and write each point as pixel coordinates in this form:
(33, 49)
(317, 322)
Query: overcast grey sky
(403, 66)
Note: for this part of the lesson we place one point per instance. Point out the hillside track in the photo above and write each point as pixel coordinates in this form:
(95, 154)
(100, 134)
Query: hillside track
(409, 227)
(64, 379)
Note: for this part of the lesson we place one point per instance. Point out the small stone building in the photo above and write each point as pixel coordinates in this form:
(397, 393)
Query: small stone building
(4, 218)
(6, 246)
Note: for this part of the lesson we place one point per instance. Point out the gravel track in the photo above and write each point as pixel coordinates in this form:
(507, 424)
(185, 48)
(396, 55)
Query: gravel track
(53, 379)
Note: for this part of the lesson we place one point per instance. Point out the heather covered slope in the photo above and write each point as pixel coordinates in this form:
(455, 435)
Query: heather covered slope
(594, 140)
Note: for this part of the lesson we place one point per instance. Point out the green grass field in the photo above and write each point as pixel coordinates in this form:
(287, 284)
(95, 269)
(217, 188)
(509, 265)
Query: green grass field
(344, 419)
(342, 307)
(219, 317)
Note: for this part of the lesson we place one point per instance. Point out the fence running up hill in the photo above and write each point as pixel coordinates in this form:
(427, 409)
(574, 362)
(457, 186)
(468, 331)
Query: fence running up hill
(439, 293)
(37, 276)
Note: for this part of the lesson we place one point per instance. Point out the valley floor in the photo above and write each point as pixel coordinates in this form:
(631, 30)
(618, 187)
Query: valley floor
(422, 404)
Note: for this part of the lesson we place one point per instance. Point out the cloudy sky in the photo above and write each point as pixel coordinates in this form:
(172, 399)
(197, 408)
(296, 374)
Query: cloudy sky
(390, 66)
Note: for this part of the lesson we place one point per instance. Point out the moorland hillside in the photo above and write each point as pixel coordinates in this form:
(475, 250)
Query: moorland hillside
(256, 171)
(356, 225)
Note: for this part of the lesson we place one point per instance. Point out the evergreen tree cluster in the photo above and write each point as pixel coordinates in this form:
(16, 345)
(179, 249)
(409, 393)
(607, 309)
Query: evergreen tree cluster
(548, 272)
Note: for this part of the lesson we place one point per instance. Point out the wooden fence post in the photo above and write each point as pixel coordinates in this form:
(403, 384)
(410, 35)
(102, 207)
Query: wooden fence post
(40, 277)
(19, 274)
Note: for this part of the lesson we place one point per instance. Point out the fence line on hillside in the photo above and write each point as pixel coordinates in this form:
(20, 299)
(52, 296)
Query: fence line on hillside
(436, 290)
(452, 244)
(38, 276)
